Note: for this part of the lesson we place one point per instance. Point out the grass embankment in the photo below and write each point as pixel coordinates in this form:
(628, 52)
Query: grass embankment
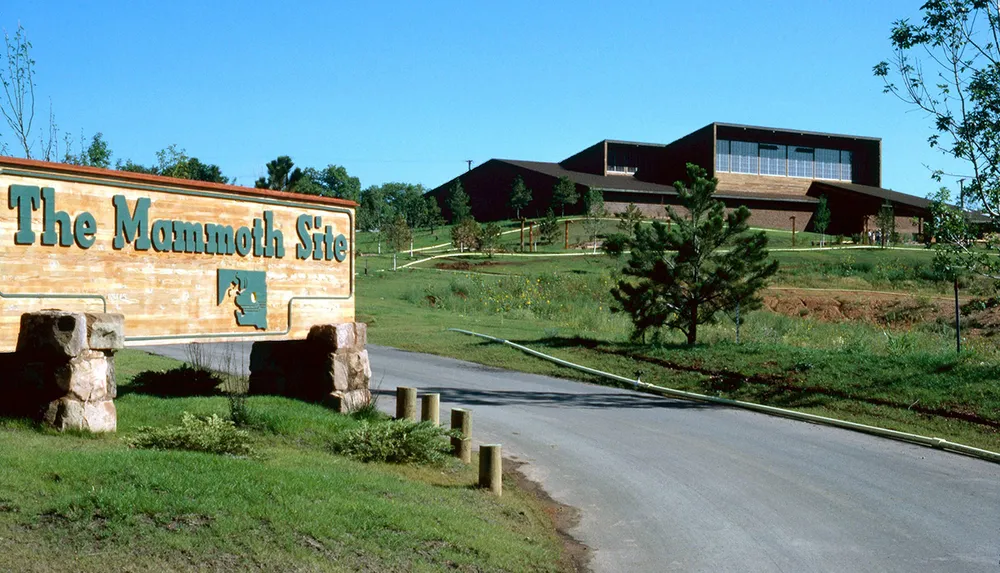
(90, 503)
(909, 379)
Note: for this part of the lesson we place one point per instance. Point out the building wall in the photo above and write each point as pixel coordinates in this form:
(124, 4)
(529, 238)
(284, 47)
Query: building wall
(773, 217)
(763, 183)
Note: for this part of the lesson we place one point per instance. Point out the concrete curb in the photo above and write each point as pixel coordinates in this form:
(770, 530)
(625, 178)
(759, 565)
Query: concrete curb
(937, 443)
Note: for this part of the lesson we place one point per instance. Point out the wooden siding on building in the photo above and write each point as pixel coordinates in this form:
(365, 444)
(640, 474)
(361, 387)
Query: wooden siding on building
(743, 182)
(167, 297)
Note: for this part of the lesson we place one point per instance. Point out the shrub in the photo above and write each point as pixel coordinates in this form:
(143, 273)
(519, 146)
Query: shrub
(395, 441)
(210, 434)
(183, 381)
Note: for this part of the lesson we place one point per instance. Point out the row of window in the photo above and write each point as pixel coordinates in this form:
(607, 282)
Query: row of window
(782, 160)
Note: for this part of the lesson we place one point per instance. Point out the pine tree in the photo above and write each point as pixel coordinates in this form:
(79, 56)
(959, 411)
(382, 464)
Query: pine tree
(548, 229)
(520, 195)
(564, 193)
(458, 202)
(706, 263)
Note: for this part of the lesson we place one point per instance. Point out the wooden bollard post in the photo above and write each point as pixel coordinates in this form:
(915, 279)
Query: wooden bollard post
(406, 403)
(491, 468)
(461, 446)
(430, 407)
(566, 245)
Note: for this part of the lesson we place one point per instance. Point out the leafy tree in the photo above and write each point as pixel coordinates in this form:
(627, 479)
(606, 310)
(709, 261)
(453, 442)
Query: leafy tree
(948, 66)
(397, 236)
(96, 154)
(465, 235)
(594, 203)
(18, 80)
(885, 222)
(458, 203)
(174, 162)
(548, 229)
(413, 206)
(489, 239)
(564, 193)
(520, 195)
(331, 181)
(706, 263)
(821, 218)
(433, 211)
(282, 175)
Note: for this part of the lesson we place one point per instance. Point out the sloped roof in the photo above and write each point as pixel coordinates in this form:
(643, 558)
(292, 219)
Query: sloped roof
(878, 192)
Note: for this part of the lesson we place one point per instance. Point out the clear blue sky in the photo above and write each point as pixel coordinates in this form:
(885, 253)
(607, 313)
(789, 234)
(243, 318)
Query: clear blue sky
(406, 91)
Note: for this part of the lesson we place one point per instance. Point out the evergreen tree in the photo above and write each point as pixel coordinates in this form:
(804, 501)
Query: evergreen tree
(706, 263)
(564, 193)
(520, 196)
(489, 239)
(628, 219)
(458, 203)
(821, 218)
(397, 236)
(433, 210)
(548, 229)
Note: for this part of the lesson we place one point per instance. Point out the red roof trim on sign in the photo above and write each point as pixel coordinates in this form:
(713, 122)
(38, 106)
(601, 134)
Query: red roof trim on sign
(171, 181)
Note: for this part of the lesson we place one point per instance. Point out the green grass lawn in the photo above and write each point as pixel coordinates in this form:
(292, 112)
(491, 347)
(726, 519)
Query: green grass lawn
(909, 380)
(73, 502)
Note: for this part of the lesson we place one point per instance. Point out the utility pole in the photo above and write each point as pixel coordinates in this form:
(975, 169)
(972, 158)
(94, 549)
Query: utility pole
(469, 162)
(958, 321)
(961, 193)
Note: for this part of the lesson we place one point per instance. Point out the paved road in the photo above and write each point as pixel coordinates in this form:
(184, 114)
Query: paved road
(668, 485)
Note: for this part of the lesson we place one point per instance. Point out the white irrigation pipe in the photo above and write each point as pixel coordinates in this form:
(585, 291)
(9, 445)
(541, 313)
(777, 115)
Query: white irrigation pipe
(639, 385)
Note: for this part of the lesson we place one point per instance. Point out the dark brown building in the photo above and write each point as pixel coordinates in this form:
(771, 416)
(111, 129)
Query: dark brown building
(777, 173)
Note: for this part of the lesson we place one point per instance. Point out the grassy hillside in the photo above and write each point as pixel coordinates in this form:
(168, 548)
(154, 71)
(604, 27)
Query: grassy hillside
(91, 503)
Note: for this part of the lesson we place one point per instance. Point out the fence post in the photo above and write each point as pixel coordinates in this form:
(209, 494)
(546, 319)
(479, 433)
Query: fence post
(461, 420)
(406, 403)
(491, 468)
(430, 405)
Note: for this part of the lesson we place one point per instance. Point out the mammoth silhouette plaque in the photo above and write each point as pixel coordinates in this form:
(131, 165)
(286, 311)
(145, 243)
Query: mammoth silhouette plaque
(183, 261)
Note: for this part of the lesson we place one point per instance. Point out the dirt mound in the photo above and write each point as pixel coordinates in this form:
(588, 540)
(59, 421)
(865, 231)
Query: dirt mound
(881, 308)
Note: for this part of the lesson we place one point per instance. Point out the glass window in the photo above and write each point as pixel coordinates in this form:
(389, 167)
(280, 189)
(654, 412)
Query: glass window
(743, 157)
(800, 161)
(772, 160)
(722, 155)
(846, 169)
(827, 164)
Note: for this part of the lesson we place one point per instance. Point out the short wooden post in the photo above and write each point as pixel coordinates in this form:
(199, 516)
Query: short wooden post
(461, 420)
(406, 403)
(430, 405)
(566, 234)
(491, 468)
(522, 234)
(531, 237)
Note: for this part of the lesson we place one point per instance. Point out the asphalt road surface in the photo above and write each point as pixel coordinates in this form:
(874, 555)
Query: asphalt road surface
(670, 485)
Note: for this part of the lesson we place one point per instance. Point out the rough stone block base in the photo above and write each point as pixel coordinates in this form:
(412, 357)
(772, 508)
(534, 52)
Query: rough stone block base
(63, 371)
(331, 366)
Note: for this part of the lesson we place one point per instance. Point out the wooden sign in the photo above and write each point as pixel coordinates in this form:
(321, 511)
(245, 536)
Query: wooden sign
(183, 261)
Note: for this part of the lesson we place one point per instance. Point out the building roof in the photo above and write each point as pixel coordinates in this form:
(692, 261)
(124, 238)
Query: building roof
(795, 131)
(632, 185)
(878, 192)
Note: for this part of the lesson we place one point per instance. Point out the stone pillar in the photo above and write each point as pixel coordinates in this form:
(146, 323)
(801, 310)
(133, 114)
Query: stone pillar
(67, 361)
(330, 366)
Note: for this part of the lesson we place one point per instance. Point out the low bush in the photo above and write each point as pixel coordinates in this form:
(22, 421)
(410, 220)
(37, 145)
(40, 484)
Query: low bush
(176, 382)
(211, 434)
(395, 442)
